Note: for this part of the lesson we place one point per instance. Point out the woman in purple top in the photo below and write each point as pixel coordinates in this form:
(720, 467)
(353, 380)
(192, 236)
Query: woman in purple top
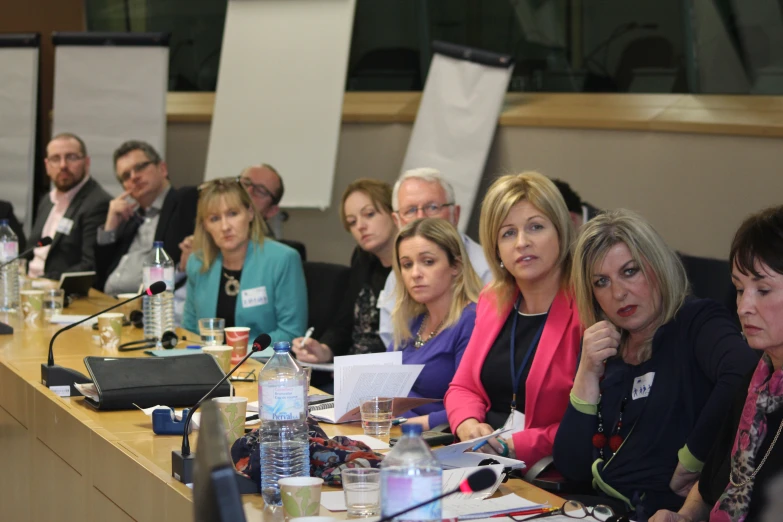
(435, 309)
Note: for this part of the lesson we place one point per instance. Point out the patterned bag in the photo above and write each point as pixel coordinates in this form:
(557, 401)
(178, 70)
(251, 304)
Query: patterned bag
(328, 457)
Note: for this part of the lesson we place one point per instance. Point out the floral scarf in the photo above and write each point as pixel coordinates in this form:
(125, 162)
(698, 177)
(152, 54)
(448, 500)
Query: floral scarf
(328, 457)
(765, 395)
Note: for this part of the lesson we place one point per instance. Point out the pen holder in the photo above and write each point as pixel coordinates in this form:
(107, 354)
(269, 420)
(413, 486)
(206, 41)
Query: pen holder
(164, 423)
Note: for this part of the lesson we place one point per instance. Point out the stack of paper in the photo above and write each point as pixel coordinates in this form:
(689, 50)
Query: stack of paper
(458, 456)
(367, 375)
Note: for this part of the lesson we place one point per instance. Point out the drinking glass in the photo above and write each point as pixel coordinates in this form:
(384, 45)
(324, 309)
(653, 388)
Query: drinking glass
(362, 488)
(212, 330)
(377, 416)
(53, 302)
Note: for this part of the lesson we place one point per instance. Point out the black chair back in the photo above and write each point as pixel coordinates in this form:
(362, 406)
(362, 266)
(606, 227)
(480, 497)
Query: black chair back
(326, 284)
(711, 279)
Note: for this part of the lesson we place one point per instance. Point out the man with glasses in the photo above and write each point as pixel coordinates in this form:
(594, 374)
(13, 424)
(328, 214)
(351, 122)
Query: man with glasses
(70, 213)
(421, 193)
(265, 186)
(149, 209)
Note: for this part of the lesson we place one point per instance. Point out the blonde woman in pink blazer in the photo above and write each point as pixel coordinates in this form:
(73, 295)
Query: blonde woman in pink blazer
(522, 356)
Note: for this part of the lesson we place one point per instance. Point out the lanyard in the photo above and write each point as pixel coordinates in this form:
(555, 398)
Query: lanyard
(515, 377)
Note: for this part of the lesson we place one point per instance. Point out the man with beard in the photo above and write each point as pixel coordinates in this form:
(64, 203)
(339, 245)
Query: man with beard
(70, 214)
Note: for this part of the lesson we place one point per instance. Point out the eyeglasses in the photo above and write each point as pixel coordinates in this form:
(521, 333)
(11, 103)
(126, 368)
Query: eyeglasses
(69, 158)
(575, 509)
(257, 189)
(125, 176)
(222, 182)
(429, 210)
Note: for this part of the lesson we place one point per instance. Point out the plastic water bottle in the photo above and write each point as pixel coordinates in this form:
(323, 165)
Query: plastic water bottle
(410, 474)
(282, 400)
(9, 274)
(158, 309)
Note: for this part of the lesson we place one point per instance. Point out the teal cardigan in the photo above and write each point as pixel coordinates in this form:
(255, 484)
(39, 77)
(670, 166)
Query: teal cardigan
(272, 265)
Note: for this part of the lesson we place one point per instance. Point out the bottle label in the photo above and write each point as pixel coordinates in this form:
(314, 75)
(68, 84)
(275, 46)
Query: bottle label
(282, 403)
(153, 274)
(10, 249)
(402, 491)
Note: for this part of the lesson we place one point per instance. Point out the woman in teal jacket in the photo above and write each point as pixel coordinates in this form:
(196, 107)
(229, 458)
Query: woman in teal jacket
(237, 274)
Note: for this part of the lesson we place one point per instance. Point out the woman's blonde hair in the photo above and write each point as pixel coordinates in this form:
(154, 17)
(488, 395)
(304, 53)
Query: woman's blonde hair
(380, 194)
(506, 192)
(211, 194)
(660, 265)
(466, 285)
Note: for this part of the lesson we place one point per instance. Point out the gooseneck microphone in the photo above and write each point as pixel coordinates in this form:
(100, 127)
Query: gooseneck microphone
(479, 480)
(61, 380)
(182, 461)
(44, 241)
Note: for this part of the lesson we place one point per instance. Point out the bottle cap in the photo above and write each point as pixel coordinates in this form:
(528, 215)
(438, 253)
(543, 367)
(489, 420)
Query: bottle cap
(411, 429)
(157, 244)
(3, 222)
(193, 347)
(282, 346)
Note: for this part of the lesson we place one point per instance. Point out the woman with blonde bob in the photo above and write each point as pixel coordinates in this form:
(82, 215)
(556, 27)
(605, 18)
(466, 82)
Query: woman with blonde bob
(239, 275)
(435, 308)
(523, 353)
(656, 370)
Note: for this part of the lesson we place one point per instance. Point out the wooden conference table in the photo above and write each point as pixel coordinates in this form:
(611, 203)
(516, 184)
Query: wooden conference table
(61, 460)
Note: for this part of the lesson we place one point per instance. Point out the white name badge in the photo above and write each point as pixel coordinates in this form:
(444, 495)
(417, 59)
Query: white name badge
(642, 385)
(64, 226)
(515, 422)
(254, 297)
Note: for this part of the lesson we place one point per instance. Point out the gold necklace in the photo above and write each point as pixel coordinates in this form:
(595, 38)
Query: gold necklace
(232, 285)
(758, 468)
(419, 342)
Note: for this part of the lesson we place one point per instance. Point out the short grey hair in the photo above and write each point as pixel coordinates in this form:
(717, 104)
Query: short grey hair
(429, 175)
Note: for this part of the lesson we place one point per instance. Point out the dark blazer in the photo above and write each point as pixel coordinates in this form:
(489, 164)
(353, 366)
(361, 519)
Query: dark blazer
(7, 212)
(73, 252)
(177, 221)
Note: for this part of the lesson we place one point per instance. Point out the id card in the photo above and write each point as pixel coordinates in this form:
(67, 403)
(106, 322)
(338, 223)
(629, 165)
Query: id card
(642, 385)
(253, 297)
(515, 422)
(64, 226)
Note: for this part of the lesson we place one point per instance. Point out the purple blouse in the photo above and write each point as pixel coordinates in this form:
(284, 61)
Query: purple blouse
(440, 356)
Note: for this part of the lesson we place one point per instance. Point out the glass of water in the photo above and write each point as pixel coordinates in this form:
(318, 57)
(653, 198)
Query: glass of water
(362, 488)
(377, 416)
(53, 302)
(212, 331)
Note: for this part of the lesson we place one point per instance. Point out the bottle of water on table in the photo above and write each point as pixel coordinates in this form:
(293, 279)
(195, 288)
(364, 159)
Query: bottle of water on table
(158, 309)
(410, 474)
(9, 274)
(282, 401)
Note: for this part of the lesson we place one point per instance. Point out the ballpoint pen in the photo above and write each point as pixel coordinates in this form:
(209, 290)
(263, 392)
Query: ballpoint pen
(480, 445)
(308, 334)
(401, 420)
(525, 512)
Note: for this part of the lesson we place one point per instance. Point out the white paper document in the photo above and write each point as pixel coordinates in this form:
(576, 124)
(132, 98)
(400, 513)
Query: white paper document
(459, 455)
(372, 374)
(474, 509)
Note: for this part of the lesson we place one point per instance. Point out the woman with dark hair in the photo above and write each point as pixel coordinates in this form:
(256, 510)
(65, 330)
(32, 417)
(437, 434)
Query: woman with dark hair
(747, 455)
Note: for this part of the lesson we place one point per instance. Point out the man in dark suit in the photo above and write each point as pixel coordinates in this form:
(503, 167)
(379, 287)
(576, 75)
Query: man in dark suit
(7, 212)
(70, 214)
(148, 210)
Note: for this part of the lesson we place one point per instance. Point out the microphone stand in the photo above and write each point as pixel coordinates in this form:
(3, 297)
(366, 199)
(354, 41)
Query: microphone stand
(182, 461)
(61, 380)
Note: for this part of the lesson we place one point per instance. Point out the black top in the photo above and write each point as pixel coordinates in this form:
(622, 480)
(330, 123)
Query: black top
(715, 475)
(697, 361)
(227, 304)
(496, 373)
(355, 329)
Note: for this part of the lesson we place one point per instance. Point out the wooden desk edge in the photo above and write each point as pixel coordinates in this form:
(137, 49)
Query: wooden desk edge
(738, 115)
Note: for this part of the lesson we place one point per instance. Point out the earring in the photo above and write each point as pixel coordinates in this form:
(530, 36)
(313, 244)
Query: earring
(501, 265)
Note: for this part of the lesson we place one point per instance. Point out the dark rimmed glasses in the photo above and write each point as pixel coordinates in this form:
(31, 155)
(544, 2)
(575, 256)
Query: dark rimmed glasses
(575, 509)
(125, 176)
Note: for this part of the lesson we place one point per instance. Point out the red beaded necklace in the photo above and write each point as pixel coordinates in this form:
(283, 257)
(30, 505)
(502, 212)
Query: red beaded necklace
(615, 439)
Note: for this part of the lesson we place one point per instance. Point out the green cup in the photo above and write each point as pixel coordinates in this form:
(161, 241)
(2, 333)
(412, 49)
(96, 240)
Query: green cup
(301, 496)
(232, 411)
(110, 330)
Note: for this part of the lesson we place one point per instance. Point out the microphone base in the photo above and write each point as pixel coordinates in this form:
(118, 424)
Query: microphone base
(182, 466)
(61, 380)
(182, 470)
(6, 329)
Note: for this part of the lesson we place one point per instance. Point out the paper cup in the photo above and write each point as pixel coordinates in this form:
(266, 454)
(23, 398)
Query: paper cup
(222, 354)
(301, 496)
(32, 306)
(110, 330)
(232, 411)
(237, 337)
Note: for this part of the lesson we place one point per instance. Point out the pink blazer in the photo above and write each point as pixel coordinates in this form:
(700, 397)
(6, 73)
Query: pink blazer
(548, 384)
